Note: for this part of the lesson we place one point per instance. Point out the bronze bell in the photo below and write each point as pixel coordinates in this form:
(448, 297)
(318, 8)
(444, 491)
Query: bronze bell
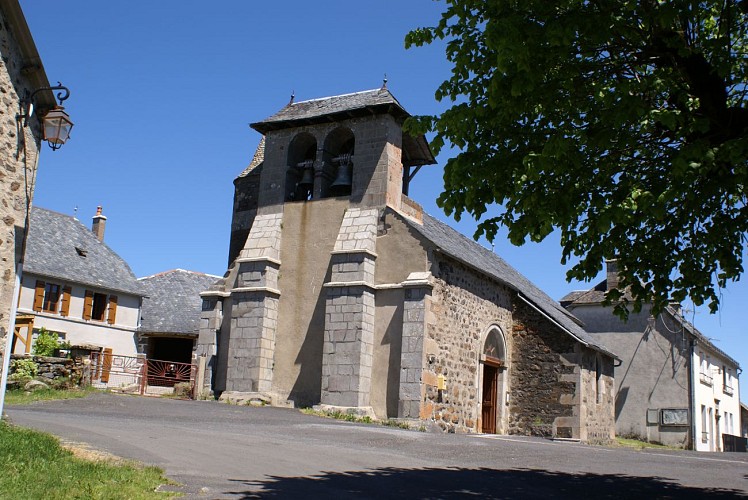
(343, 181)
(307, 177)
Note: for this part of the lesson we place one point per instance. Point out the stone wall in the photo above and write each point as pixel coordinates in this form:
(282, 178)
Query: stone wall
(464, 304)
(19, 149)
(543, 377)
(597, 408)
(56, 372)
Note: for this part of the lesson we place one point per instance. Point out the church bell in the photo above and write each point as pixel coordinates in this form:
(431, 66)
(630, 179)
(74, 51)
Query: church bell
(307, 175)
(343, 179)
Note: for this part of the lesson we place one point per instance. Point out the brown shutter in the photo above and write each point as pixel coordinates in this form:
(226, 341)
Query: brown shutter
(39, 296)
(65, 304)
(112, 309)
(107, 365)
(87, 305)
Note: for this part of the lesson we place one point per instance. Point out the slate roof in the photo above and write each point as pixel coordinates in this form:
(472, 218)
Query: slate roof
(596, 295)
(173, 303)
(328, 109)
(463, 249)
(415, 150)
(54, 247)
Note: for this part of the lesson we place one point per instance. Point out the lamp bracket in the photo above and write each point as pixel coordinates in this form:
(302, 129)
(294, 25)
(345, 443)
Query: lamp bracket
(28, 101)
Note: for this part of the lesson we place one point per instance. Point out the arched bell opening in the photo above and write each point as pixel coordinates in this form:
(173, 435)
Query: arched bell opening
(492, 369)
(302, 153)
(338, 174)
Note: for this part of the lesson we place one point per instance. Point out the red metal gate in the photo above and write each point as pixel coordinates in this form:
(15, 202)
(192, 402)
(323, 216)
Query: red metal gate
(136, 374)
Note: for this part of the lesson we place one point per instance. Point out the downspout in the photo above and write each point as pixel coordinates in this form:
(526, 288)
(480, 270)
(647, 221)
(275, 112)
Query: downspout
(692, 392)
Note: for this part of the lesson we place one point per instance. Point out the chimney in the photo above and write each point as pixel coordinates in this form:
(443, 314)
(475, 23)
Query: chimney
(98, 225)
(611, 276)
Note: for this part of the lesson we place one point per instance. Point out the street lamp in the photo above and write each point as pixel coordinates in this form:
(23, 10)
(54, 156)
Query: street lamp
(56, 124)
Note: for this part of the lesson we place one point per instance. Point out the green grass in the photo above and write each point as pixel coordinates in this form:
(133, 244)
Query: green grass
(34, 465)
(635, 443)
(21, 397)
(351, 417)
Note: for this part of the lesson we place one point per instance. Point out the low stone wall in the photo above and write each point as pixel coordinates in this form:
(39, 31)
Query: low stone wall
(57, 372)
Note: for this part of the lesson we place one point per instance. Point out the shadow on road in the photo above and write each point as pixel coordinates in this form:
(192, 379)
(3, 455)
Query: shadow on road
(473, 483)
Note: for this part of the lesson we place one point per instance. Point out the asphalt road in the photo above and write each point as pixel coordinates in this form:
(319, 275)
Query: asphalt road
(220, 451)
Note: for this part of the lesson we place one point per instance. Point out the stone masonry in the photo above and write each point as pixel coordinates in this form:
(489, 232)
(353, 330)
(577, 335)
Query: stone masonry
(465, 303)
(254, 309)
(349, 314)
(412, 355)
(19, 151)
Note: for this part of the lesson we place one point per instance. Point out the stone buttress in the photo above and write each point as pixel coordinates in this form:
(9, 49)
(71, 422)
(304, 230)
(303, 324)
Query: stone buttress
(254, 311)
(349, 314)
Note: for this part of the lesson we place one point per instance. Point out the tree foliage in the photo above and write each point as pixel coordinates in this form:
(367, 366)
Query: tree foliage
(622, 123)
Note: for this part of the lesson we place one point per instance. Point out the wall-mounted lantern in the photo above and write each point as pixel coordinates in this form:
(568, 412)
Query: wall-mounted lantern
(56, 124)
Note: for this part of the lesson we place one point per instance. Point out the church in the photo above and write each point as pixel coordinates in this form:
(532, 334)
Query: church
(342, 293)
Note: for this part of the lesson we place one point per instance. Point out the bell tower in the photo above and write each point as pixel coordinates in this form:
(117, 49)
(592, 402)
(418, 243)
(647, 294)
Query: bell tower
(304, 235)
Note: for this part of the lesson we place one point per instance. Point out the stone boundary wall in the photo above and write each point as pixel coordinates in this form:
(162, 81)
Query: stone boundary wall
(464, 305)
(66, 372)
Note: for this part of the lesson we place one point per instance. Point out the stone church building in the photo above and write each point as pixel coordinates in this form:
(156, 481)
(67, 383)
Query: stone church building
(341, 292)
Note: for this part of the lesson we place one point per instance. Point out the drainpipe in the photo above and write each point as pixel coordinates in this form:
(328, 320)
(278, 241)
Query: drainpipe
(692, 393)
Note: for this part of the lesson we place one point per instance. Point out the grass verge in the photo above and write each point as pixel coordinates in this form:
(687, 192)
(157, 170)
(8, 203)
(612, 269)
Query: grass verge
(635, 443)
(21, 397)
(350, 417)
(34, 465)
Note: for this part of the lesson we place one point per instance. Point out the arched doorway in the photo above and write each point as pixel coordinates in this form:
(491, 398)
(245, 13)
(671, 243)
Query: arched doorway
(493, 359)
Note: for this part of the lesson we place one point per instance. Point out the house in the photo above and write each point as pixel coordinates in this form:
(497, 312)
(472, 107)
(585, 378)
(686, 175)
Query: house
(21, 74)
(76, 286)
(171, 314)
(674, 386)
(341, 292)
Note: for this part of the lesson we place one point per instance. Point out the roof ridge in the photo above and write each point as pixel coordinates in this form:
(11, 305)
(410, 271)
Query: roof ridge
(339, 95)
(178, 269)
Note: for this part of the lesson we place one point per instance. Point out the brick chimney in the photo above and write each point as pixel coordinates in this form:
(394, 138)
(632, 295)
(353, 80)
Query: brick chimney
(611, 274)
(99, 224)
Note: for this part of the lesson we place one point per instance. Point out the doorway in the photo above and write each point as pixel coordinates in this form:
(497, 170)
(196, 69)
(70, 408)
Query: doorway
(492, 360)
(490, 396)
(174, 349)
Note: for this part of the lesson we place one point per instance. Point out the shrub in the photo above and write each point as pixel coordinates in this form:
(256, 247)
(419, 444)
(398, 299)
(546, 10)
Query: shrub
(46, 343)
(22, 369)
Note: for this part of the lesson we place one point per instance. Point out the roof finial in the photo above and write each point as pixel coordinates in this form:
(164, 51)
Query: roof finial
(293, 95)
(384, 82)
(75, 213)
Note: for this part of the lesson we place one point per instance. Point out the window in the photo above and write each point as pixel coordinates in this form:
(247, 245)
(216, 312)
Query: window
(98, 306)
(51, 297)
(704, 374)
(704, 423)
(727, 381)
(47, 297)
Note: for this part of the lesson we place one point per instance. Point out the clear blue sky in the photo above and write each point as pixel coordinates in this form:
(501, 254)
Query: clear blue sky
(162, 94)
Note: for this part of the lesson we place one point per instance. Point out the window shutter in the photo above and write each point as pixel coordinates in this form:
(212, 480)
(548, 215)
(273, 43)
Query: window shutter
(39, 296)
(87, 305)
(112, 309)
(65, 304)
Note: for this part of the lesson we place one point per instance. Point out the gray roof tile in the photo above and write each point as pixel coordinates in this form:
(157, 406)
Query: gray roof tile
(463, 249)
(51, 252)
(314, 110)
(173, 303)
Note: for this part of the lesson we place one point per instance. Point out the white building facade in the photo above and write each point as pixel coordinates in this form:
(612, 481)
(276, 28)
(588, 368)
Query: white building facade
(716, 398)
(77, 287)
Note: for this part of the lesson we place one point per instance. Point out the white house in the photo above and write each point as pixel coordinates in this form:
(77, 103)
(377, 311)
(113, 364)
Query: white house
(76, 286)
(673, 385)
(716, 397)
